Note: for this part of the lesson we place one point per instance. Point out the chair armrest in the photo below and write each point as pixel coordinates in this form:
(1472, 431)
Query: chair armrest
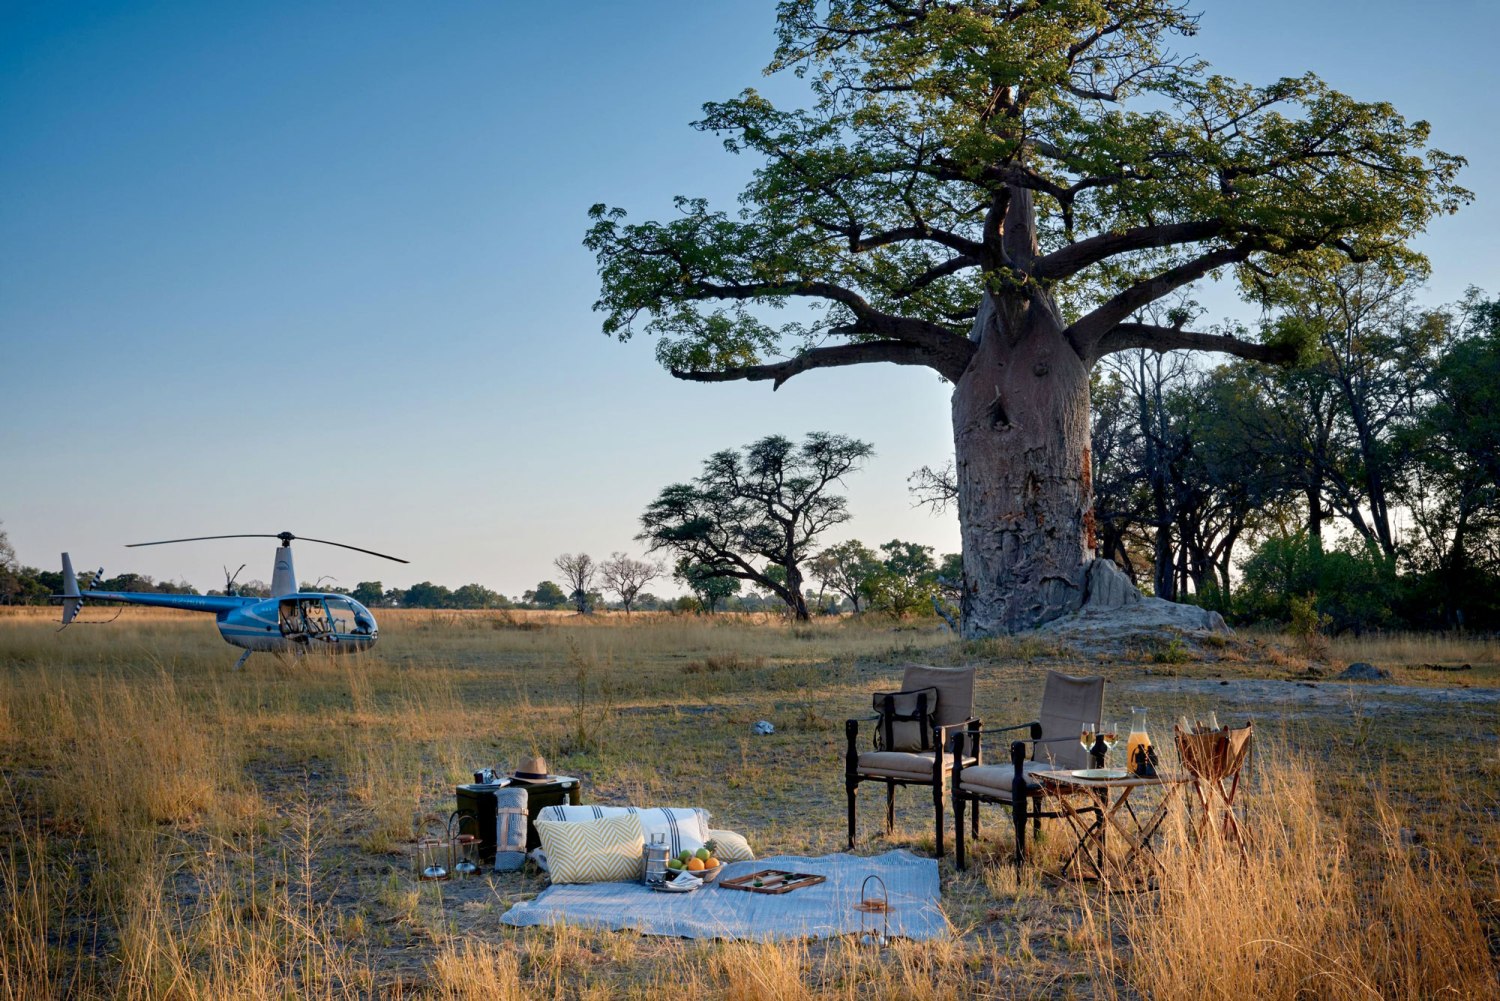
(966, 731)
(972, 724)
(1034, 726)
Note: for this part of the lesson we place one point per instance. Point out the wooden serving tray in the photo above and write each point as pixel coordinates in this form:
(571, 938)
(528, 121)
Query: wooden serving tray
(773, 881)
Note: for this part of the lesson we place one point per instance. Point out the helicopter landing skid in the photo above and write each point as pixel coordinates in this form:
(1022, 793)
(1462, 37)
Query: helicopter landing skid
(243, 657)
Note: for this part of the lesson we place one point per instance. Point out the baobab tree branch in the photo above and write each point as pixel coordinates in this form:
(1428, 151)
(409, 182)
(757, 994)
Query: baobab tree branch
(1085, 334)
(950, 363)
(1070, 260)
(921, 333)
(1161, 339)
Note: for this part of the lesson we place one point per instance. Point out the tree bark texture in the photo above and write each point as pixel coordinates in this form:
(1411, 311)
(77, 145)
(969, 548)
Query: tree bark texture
(1021, 439)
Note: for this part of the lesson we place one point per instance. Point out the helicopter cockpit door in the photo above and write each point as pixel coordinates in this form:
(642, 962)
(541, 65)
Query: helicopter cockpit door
(304, 618)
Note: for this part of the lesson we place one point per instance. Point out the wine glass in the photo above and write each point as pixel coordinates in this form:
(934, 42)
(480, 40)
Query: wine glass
(1086, 738)
(1110, 734)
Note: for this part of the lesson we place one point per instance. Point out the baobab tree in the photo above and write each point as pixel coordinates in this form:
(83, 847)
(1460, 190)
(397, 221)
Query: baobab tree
(999, 191)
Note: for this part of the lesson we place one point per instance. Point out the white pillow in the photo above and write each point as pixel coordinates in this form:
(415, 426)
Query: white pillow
(685, 830)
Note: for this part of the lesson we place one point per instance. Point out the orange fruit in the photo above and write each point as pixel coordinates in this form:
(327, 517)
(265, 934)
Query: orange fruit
(710, 863)
(695, 865)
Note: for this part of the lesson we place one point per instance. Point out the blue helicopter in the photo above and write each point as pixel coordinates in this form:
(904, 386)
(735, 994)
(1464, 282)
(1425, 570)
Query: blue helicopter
(288, 622)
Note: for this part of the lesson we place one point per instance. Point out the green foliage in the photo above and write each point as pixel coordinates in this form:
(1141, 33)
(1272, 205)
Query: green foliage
(712, 584)
(426, 594)
(546, 595)
(1352, 587)
(871, 203)
(905, 582)
(844, 568)
(370, 593)
(1455, 498)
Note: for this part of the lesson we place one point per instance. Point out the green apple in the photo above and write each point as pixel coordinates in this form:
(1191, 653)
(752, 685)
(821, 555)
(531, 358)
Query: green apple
(704, 853)
(674, 863)
(685, 856)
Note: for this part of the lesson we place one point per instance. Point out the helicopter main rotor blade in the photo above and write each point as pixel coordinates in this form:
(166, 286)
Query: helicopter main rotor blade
(285, 537)
(200, 538)
(341, 545)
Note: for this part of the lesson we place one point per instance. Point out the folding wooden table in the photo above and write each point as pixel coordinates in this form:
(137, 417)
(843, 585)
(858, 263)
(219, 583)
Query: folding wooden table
(1121, 858)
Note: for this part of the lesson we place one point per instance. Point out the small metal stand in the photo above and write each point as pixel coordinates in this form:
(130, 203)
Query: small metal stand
(874, 905)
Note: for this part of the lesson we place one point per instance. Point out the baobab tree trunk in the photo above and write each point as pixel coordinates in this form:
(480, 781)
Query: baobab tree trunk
(1021, 439)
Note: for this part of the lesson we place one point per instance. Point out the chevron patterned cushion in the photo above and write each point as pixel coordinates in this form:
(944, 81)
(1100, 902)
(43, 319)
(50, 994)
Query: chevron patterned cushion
(730, 847)
(593, 851)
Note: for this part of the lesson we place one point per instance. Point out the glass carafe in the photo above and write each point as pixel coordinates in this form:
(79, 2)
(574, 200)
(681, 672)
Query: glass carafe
(1138, 748)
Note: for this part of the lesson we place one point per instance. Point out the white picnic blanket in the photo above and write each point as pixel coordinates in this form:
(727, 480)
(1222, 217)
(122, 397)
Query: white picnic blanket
(822, 911)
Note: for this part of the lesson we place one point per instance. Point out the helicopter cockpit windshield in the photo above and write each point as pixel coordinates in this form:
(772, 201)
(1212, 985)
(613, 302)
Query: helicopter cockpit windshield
(343, 615)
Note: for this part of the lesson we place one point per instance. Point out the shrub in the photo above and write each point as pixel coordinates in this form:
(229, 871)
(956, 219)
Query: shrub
(1351, 587)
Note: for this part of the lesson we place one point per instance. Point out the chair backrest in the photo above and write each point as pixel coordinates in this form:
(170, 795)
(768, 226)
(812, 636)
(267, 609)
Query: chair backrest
(1068, 703)
(955, 687)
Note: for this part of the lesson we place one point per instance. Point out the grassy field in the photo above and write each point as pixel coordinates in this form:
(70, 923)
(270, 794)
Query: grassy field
(173, 829)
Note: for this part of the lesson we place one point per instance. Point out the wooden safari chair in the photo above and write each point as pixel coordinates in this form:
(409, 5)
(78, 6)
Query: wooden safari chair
(1052, 742)
(911, 737)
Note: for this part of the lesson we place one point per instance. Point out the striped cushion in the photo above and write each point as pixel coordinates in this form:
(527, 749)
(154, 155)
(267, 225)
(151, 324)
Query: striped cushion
(730, 847)
(592, 851)
(685, 830)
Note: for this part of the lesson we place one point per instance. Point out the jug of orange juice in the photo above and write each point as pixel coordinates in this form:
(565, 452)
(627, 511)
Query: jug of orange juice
(1140, 757)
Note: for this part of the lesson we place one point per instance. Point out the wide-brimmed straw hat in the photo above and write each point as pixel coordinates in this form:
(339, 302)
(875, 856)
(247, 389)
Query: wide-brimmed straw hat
(533, 769)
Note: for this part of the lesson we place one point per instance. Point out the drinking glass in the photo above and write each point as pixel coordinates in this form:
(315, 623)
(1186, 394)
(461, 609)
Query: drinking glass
(1086, 738)
(1110, 734)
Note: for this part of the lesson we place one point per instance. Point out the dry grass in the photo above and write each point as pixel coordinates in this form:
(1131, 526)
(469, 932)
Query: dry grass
(177, 830)
(1298, 916)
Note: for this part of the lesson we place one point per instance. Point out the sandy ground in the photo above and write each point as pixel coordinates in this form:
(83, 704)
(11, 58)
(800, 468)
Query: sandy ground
(1293, 699)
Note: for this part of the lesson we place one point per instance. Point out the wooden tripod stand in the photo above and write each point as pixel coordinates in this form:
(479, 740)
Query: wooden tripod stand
(1214, 760)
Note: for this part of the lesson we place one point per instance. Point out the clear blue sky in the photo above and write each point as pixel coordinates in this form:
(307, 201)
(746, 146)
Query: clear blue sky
(317, 267)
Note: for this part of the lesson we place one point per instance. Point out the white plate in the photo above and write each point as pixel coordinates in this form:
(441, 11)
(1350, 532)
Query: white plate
(1099, 773)
(674, 887)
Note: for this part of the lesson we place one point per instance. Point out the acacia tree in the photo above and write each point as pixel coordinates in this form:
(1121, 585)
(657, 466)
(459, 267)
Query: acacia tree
(769, 504)
(996, 189)
(844, 567)
(578, 574)
(626, 578)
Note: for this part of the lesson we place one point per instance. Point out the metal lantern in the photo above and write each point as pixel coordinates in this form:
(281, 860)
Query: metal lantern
(463, 848)
(654, 861)
(432, 858)
(870, 905)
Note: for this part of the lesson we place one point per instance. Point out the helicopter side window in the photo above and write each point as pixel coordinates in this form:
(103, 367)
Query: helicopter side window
(291, 618)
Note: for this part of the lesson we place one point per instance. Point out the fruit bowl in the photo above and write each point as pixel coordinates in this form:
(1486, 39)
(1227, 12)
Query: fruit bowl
(707, 875)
